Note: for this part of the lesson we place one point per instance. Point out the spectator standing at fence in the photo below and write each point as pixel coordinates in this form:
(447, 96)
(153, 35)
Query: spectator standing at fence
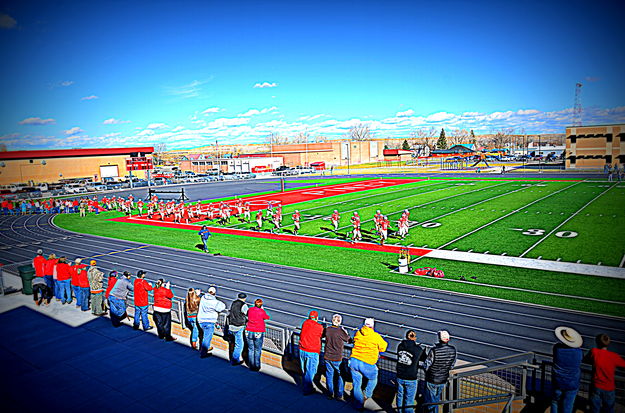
(309, 349)
(163, 296)
(41, 291)
(255, 333)
(336, 338)
(438, 363)
(567, 360)
(409, 355)
(64, 275)
(96, 288)
(50, 275)
(83, 284)
(368, 345)
(192, 304)
(604, 364)
(39, 264)
(141, 290)
(112, 279)
(237, 318)
(74, 283)
(209, 310)
(117, 298)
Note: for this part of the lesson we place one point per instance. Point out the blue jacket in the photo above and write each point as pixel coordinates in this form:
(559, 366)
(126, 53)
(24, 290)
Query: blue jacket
(205, 233)
(566, 367)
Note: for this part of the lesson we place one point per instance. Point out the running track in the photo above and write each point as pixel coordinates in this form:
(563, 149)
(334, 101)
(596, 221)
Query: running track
(481, 329)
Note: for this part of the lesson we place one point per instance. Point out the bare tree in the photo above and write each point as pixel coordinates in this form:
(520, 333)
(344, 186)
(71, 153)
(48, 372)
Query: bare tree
(501, 138)
(457, 136)
(275, 138)
(360, 132)
(159, 150)
(426, 137)
(301, 137)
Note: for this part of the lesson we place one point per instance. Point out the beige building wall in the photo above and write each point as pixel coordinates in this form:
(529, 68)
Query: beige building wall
(592, 147)
(25, 170)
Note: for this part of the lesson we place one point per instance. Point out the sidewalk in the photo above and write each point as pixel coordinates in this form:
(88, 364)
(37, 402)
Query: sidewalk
(84, 364)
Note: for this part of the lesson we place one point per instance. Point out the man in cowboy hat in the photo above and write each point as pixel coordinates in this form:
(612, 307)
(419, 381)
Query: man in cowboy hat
(567, 358)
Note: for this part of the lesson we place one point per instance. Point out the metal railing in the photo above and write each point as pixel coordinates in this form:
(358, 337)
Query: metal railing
(523, 376)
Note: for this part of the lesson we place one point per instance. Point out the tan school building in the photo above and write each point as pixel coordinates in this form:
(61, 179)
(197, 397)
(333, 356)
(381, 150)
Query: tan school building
(593, 147)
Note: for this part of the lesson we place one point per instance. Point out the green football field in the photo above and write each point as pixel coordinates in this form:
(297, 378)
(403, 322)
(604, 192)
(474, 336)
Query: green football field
(562, 221)
(567, 221)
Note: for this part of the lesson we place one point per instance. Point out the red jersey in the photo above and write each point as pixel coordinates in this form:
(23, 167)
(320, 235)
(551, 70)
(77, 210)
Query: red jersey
(604, 362)
(336, 216)
(109, 287)
(141, 288)
(39, 263)
(162, 297)
(296, 217)
(81, 273)
(310, 337)
(63, 271)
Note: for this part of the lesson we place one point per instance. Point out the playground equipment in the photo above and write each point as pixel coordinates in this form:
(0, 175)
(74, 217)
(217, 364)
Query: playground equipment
(482, 158)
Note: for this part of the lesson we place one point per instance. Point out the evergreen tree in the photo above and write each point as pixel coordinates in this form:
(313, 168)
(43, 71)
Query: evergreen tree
(442, 141)
(405, 145)
(473, 140)
(386, 146)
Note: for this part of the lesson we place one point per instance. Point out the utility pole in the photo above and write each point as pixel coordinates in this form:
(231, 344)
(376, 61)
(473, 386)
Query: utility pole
(577, 105)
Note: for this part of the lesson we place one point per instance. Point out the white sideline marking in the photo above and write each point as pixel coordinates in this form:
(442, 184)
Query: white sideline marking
(622, 261)
(532, 263)
(563, 222)
(507, 215)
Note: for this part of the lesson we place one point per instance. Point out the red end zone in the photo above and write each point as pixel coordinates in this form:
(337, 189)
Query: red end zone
(292, 197)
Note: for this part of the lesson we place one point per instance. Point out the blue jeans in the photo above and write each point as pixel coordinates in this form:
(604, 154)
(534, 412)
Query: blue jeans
(65, 293)
(76, 290)
(433, 394)
(563, 401)
(238, 345)
(406, 392)
(359, 370)
(254, 348)
(208, 329)
(85, 293)
(49, 282)
(194, 328)
(57, 289)
(602, 399)
(309, 363)
(118, 306)
(334, 368)
(141, 315)
(205, 246)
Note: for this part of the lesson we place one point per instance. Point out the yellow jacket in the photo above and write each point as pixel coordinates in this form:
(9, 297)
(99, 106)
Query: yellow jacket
(368, 345)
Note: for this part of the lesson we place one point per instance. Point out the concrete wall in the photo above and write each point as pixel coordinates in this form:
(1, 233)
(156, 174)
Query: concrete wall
(24, 170)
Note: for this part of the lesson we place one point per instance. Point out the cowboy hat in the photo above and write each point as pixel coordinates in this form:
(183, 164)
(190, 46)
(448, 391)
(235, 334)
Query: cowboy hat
(569, 337)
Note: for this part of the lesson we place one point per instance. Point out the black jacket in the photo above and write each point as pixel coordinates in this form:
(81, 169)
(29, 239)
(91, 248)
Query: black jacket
(409, 353)
(439, 361)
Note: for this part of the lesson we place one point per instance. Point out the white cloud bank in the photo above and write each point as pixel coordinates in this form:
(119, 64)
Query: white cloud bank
(37, 121)
(265, 85)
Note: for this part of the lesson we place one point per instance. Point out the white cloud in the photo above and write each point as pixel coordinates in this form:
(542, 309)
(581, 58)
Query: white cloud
(527, 112)
(253, 112)
(190, 90)
(440, 117)
(408, 112)
(73, 131)
(157, 126)
(66, 83)
(264, 85)
(37, 121)
(211, 110)
(113, 121)
(177, 128)
(7, 22)
(90, 97)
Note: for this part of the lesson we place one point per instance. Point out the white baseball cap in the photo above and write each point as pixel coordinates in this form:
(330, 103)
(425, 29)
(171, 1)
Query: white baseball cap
(443, 335)
(212, 290)
(369, 322)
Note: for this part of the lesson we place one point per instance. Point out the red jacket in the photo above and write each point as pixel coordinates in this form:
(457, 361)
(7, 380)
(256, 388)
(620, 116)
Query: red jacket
(310, 337)
(49, 266)
(109, 287)
(141, 292)
(74, 275)
(81, 271)
(604, 362)
(39, 262)
(256, 317)
(162, 297)
(63, 271)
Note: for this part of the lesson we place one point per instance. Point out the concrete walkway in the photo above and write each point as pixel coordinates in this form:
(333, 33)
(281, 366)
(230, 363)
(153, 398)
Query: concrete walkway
(84, 364)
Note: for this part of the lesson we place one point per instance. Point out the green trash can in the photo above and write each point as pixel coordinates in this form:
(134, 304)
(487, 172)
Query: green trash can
(27, 273)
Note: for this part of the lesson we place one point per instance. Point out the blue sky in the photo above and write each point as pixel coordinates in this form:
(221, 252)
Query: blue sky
(113, 73)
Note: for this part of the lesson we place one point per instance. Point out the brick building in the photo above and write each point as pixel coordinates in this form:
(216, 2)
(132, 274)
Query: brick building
(592, 147)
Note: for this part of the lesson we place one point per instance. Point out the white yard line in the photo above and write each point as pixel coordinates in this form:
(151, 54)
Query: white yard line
(472, 205)
(622, 261)
(564, 222)
(418, 206)
(507, 215)
(356, 199)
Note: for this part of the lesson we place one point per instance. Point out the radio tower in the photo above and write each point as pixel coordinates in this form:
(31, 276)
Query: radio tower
(577, 107)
